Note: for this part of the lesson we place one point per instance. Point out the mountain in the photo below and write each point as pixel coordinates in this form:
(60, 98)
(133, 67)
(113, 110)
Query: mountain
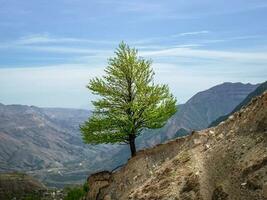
(19, 186)
(67, 118)
(258, 91)
(224, 162)
(46, 143)
(199, 111)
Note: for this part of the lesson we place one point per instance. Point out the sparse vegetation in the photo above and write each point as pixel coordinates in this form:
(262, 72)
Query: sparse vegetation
(76, 193)
(32, 197)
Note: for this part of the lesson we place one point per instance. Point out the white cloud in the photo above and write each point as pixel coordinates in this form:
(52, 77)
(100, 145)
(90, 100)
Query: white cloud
(69, 50)
(64, 85)
(47, 39)
(208, 54)
(57, 85)
(191, 33)
(168, 37)
(186, 81)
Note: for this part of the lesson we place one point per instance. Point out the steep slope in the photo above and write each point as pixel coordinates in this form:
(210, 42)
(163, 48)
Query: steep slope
(47, 144)
(199, 111)
(225, 162)
(258, 91)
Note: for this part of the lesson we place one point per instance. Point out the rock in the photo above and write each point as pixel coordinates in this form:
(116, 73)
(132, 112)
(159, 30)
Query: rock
(219, 194)
(107, 197)
(231, 117)
(197, 141)
(243, 184)
(212, 133)
(135, 178)
(96, 182)
(221, 136)
(222, 123)
(206, 147)
(264, 190)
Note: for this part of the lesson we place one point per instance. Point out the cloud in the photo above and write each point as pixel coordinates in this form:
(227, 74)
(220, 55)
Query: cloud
(70, 50)
(82, 51)
(61, 45)
(169, 37)
(52, 85)
(47, 39)
(64, 85)
(208, 54)
(191, 33)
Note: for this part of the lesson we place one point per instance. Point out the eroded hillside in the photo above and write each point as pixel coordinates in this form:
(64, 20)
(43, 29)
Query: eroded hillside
(225, 162)
(46, 143)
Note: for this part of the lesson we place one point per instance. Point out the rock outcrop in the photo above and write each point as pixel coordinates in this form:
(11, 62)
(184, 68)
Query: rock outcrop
(224, 162)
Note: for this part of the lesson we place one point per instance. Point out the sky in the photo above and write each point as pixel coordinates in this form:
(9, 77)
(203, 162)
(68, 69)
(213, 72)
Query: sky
(49, 50)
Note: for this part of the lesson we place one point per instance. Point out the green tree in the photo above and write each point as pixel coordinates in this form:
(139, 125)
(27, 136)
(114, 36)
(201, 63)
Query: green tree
(129, 101)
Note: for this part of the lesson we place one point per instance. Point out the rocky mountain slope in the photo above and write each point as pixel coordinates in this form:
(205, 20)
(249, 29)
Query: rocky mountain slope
(258, 91)
(224, 162)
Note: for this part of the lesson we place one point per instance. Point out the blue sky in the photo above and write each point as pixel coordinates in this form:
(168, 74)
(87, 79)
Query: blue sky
(50, 49)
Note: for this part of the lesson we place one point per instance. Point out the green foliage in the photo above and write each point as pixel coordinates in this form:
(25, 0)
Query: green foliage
(77, 193)
(129, 100)
(85, 187)
(32, 197)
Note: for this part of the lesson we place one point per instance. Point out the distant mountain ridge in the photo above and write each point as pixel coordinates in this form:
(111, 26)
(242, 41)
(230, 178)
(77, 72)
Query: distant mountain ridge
(200, 110)
(258, 91)
(46, 142)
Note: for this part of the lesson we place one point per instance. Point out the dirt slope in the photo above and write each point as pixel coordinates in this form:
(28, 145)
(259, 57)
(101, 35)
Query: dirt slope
(228, 162)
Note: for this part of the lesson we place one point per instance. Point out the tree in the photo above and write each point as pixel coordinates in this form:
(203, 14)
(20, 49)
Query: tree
(130, 101)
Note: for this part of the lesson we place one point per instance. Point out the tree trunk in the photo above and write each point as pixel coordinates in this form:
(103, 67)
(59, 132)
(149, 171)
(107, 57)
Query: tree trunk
(132, 145)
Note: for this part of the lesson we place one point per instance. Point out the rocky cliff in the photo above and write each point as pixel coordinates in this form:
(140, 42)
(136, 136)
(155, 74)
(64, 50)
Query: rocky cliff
(224, 162)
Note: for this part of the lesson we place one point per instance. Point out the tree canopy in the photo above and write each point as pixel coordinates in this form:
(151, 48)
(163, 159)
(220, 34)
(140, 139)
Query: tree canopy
(129, 100)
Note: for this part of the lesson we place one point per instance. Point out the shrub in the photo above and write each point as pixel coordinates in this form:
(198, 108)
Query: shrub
(76, 193)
